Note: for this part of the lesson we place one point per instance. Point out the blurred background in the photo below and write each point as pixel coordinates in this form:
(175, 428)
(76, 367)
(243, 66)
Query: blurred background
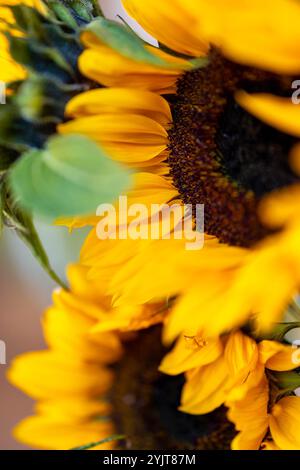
(25, 289)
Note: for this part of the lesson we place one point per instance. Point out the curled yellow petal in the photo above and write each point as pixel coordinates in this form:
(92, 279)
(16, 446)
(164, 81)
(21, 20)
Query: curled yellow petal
(191, 352)
(276, 111)
(285, 423)
(174, 27)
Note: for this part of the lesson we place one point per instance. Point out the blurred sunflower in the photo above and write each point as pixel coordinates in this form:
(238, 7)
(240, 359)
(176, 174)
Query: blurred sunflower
(222, 138)
(220, 135)
(89, 385)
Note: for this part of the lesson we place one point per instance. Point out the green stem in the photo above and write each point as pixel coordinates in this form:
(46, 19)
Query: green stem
(115, 437)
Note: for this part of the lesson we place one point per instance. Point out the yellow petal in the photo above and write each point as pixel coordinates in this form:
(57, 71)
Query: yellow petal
(147, 188)
(132, 318)
(73, 409)
(9, 69)
(249, 441)
(200, 309)
(120, 100)
(111, 69)
(45, 375)
(241, 355)
(127, 138)
(285, 423)
(262, 34)
(250, 416)
(80, 285)
(178, 267)
(69, 333)
(282, 207)
(45, 433)
(276, 111)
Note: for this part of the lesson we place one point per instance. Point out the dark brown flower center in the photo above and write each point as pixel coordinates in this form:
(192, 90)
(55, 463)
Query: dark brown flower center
(146, 404)
(223, 157)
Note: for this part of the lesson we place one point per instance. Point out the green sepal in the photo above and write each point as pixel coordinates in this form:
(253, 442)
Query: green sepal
(69, 11)
(27, 52)
(83, 9)
(41, 101)
(71, 177)
(280, 330)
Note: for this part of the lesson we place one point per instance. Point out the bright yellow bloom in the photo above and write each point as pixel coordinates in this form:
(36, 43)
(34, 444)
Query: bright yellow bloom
(76, 388)
(110, 68)
(278, 112)
(237, 357)
(231, 371)
(284, 423)
(120, 119)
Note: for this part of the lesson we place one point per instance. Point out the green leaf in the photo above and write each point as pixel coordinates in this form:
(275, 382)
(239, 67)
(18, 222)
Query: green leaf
(287, 381)
(21, 222)
(115, 437)
(127, 43)
(71, 177)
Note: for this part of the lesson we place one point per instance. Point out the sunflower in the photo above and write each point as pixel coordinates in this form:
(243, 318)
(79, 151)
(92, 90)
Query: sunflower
(88, 384)
(222, 140)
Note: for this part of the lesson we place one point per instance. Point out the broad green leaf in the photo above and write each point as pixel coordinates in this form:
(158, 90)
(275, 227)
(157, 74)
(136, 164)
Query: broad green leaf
(72, 176)
(128, 44)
